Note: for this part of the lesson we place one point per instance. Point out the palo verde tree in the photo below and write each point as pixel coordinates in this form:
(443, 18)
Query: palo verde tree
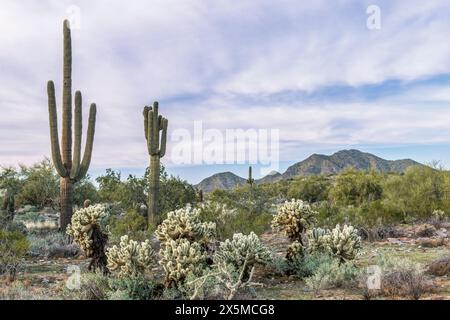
(70, 169)
(155, 127)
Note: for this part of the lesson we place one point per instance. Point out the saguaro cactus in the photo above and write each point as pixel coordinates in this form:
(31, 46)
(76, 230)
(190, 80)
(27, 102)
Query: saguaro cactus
(70, 170)
(250, 180)
(156, 145)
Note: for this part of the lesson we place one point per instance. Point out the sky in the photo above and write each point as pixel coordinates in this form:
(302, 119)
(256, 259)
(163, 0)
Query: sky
(314, 71)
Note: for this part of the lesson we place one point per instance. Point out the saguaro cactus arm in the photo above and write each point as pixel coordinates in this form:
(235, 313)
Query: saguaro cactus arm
(54, 139)
(89, 143)
(165, 124)
(78, 135)
(153, 124)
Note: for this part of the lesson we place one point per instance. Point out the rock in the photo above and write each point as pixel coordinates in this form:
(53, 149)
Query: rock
(425, 230)
(440, 267)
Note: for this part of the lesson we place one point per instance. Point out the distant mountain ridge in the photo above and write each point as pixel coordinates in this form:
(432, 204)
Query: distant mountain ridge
(315, 164)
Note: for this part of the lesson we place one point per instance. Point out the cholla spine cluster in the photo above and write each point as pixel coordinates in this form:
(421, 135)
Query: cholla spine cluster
(83, 222)
(295, 251)
(181, 257)
(343, 243)
(241, 248)
(130, 258)
(294, 217)
(185, 224)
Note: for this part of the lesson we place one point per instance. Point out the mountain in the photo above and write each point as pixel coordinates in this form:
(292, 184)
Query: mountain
(224, 180)
(271, 177)
(314, 165)
(321, 164)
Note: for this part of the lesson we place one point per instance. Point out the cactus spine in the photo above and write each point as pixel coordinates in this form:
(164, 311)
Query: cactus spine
(250, 180)
(156, 145)
(70, 170)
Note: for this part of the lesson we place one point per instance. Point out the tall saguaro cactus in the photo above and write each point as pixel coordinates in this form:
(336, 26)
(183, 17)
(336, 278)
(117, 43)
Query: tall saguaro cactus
(155, 127)
(250, 180)
(70, 169)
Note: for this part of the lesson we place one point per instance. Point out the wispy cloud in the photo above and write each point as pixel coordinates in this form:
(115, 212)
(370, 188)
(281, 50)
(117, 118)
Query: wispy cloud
(311, 69)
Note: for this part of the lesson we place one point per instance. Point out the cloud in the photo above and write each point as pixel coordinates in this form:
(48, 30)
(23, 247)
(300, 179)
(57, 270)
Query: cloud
(302, 67)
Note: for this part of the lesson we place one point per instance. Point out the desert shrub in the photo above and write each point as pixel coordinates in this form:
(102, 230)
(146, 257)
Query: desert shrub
(243, 250)
(110, 186)
(131, 194)
(93, 286)
(343, 243)
(130, 257)
(331, 275)
(353, 187)
(7, 225)
(133, 288)
(418, 193)
(401, 277)
(132, 224)
(85, 229)
(83, 190)
(96, 286)
(220, 214)
(306, 265)
(425, 230)
(222, 281)
(243, 223)
(175, 194)
(185, 224)
(311, 189)
(254, 200)
(13, 248)
(40, 185)
(51, 245)
(294, 218)
(179, 258)
(18, 291)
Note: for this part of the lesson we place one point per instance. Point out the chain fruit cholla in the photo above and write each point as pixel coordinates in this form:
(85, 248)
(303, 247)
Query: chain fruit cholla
(87, 233)
(294, 218)
(69, 169)
(130, 258)
(343, 243)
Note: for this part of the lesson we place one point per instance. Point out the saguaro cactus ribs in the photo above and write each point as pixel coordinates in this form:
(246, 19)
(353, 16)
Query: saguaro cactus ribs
(70, 170)
(156, 145)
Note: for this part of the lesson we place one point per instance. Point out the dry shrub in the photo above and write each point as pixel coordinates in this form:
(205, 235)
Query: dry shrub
(403, 279)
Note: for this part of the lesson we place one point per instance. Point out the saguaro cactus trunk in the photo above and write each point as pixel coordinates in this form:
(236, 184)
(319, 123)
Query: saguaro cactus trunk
(250, 180)
(70, 169)
(156, 145)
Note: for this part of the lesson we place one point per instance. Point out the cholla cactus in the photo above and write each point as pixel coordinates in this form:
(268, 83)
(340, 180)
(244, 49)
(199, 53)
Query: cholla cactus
(243, 248)
(295, 251)
(342, 243)
(185, 224)
(131, 258)
(294, 217)
(181, 257)
(438, 214)
(316, 240)
(83, 223)
(87, 232)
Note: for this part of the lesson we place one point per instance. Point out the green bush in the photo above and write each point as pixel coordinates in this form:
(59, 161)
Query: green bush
(353, 187)
(13, 248)
(311, 189)
(333, 274)
(40, 185)
(132, 224)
